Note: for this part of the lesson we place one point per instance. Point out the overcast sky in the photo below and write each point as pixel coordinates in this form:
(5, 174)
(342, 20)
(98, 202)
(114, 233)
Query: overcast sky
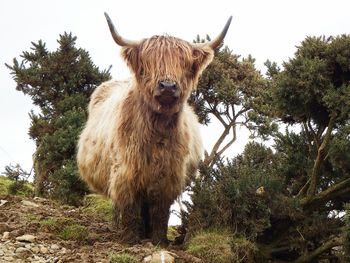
(266, 29)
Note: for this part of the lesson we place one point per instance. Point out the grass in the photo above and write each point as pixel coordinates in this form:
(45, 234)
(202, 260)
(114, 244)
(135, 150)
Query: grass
(99, 207)
(65, 228)
(121, 258)
(212, 246)
(75, 232)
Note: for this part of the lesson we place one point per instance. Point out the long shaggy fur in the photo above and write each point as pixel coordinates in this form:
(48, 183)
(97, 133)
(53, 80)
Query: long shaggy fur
(133, 149)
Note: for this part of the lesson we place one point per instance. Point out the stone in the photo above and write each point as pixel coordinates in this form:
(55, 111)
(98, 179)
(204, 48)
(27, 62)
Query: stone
(5, 235)
(3, 202)
(160, 257)
(8, 259)
(26, 238)
(44, 250)
(55, 247)
(21, 250)
(35, 250)
(29, 203)
(40, 199)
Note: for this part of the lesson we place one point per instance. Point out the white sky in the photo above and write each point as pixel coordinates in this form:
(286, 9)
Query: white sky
(266, 29)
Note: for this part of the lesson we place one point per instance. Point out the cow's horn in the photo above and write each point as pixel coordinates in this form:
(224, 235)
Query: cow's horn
(117, 38)
(218, 40)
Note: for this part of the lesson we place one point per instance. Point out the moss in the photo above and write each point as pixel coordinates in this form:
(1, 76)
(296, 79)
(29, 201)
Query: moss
(99, 207)
(211, 246)
(121, 258)
(172, 232)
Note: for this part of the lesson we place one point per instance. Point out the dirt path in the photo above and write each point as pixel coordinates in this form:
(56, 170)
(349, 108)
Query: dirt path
(38, 230)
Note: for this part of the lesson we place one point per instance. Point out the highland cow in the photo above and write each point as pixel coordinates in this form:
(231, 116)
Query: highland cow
(142, 140)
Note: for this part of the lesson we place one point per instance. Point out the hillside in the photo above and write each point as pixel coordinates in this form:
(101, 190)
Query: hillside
(39, 230)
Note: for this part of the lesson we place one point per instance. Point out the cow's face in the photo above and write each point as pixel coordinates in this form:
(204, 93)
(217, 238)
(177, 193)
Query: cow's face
(166, 68)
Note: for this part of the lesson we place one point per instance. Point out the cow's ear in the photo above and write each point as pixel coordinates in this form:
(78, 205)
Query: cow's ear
(202, 56)
(132, 58)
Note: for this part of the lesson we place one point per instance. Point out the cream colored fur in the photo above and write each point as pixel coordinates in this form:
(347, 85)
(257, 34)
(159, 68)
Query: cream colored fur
(123, 158)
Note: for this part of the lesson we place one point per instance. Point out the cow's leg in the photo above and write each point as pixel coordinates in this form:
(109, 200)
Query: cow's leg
(159, 216)
(146, 231)
(130, 223)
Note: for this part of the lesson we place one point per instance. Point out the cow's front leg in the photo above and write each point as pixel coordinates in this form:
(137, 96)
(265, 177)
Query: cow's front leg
(130, 223)
(159, 211)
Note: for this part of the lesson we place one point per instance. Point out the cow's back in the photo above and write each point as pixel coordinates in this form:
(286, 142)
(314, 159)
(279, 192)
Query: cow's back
(94, 147)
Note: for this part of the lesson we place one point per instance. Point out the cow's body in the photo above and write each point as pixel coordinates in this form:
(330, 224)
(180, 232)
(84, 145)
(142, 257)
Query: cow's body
(126, 150)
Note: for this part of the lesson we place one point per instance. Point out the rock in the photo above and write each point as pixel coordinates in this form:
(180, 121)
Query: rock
(5, 235)
(21, 250)
(35, 250)
(63, 251)
(29, 203)
(44, 250)
(20, 244)
(26, 238)
(40, 199)
(160, 257)
(3, 202)
(8, 259)
(1, 253)
(55, 247)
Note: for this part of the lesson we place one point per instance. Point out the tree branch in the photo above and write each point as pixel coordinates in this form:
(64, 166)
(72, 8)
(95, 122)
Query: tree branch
(211, 157)
(326, 195)
(316, 138)
(320, 250)
(319, 159)
(217, 115)
(230, 142)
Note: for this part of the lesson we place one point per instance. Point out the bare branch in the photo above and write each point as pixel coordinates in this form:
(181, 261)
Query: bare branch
(216, 146)
(230, 142)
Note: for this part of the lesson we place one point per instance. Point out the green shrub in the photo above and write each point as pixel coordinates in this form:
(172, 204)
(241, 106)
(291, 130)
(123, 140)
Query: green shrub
(4, 185)
(21, 188)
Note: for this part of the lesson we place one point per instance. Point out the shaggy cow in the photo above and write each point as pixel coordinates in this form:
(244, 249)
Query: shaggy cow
(142, 138)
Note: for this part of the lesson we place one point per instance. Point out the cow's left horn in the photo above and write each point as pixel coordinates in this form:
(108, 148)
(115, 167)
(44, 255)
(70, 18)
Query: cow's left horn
(218, 40)
(117, 38)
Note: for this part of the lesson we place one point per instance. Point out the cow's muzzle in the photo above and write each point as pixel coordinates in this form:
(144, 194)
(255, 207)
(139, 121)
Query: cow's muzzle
(167, 93)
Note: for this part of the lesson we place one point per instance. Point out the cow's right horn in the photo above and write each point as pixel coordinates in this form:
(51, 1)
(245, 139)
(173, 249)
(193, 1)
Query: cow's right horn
(117, 38)
(220, 38)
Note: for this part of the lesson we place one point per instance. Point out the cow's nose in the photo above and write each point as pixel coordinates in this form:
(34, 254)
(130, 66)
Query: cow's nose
(167, 87)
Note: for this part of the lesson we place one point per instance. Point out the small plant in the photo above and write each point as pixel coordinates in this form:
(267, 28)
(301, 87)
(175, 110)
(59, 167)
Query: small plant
(75, 232)
(211, 246)
(121, 258)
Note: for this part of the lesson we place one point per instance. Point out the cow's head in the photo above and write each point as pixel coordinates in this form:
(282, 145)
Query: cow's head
(166, 68)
